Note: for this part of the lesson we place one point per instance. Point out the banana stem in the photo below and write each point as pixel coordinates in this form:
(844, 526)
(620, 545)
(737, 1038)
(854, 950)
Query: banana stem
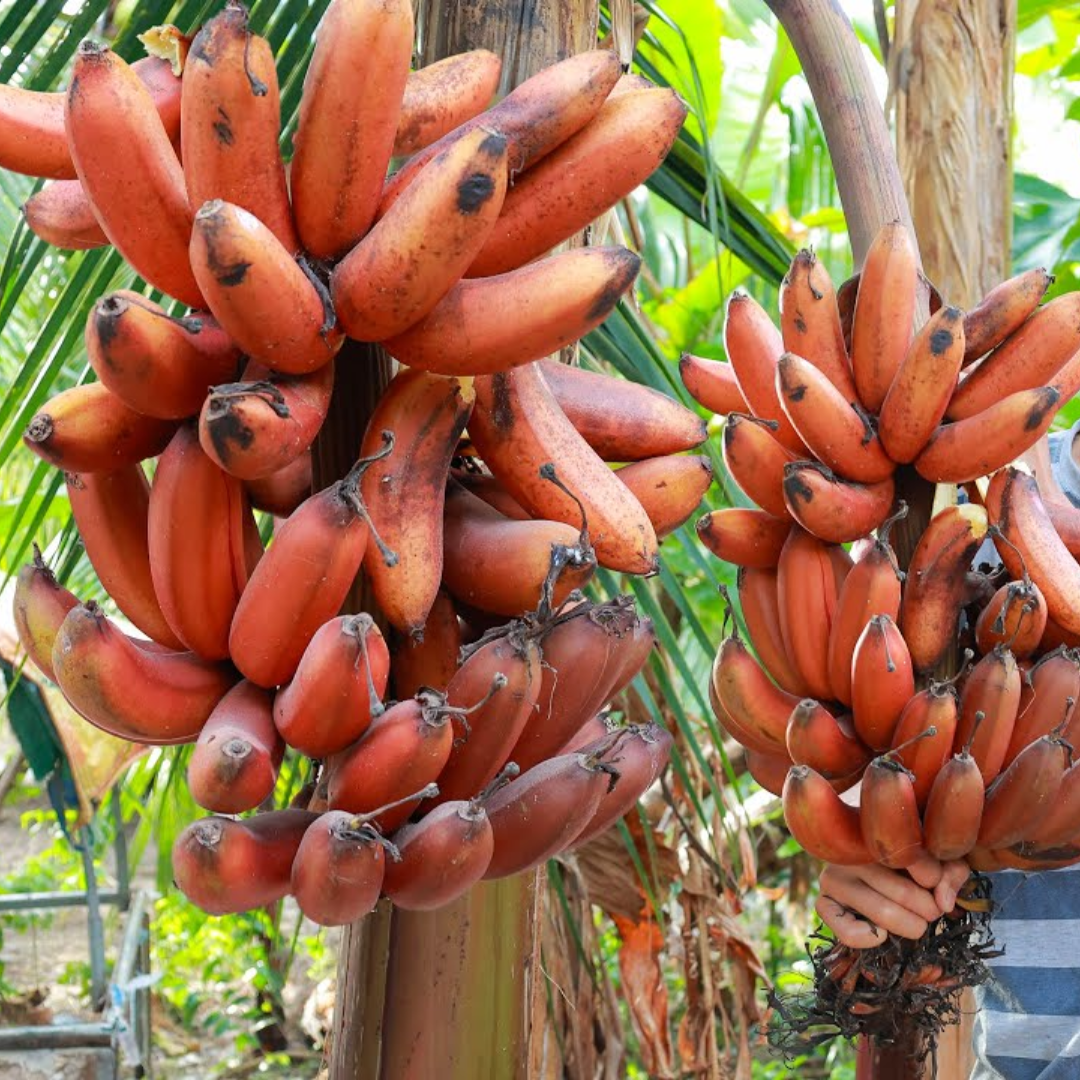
(867, 174)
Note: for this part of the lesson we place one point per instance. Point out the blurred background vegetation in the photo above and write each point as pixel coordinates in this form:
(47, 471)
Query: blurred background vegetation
(659, 936)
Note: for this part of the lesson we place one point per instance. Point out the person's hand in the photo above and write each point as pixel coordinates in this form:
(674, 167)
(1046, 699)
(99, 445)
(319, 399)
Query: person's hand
(900, 902)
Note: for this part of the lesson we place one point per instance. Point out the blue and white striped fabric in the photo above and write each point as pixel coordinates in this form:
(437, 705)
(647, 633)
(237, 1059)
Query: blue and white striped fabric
(1028, 1025)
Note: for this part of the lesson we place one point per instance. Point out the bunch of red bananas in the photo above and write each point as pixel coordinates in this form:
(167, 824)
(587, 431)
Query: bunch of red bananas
(447, 263)
(820, 415)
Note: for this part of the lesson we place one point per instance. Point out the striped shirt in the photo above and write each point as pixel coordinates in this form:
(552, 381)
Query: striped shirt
(1028, 1024)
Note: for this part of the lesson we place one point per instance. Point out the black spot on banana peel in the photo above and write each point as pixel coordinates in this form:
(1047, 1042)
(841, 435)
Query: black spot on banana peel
(502, 413)
(474, 191)
(941, 341)
(627, 264)
(1048, 399)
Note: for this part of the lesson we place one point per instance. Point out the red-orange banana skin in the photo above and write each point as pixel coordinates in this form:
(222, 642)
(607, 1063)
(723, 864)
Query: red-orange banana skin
(610, 643)
(348, 121)
(32, 136)
(518, 427)
(299, 584)
(622, 420)
(543, 811)
(827, 743)
(1060, 823)
(498, 565)
(89, 429)
(487, 325)
(669, 488)
(482, 747)
(405, 492)
(259, 294)
(149, 696)
(825, 826)
(981, 444)
(954, 808)
(232, 116)
(234, 765)
(33, 140)
(640, 758)
(1014, 505)
(111, 511)
(338, 870)
(872, 587)
(328, 703)
(768, 770)
(835, 510)
(282, 492)
(760, 605)
(138, 193)
(583, 178)
(433, 660)
(993, 688)
(934, 707)
(1015, 616)
(712, 383)
(882, 681)
(810, 321)
(756, 459)
(61, 215)
(828, 424)
(884, 311)
(414, 255)
(933, 591)
(157, 364)
(1045, 689)
(808, 588)
(889, 814)
(754, 347)
(39, 606)
(254, 429)
(198, 573)
(1029, 358)
(443, 855)
(228, 865)
(759, 710)
(402, 751)
(925, 381)
(744, 537)
(1002, 311)
(1022, 795)
(535, 117)
(443, 95)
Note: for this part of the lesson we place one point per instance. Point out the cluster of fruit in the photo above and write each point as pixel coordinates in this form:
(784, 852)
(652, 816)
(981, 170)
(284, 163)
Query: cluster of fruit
(843, 638)
(446, 264)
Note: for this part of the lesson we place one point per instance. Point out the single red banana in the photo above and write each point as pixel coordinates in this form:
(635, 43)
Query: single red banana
(810, 321)
(228, 865)
(234, 765)
(154, 696)
(155, 363)
(198, 573)
(337, 688)
(89, 429)
(255, 429)
(111, 511)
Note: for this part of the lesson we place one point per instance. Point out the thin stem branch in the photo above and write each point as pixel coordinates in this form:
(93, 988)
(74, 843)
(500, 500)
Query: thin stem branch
(862, 154)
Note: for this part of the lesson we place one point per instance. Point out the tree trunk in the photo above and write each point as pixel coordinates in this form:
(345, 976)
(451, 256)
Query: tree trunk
(951, 68)
(453, 993)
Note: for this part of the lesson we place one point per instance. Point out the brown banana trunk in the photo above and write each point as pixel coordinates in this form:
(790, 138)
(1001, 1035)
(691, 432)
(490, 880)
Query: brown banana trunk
(454, 992)
(951, 69)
